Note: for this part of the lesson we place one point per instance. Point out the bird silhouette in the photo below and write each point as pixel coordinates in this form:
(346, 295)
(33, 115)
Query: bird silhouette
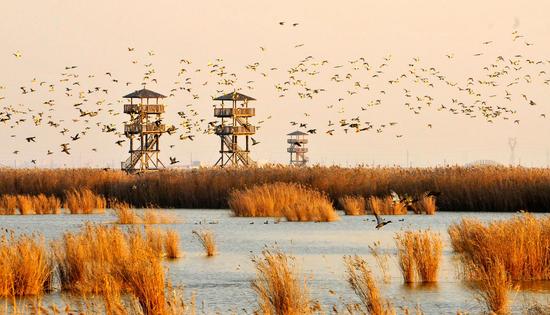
(380, 222)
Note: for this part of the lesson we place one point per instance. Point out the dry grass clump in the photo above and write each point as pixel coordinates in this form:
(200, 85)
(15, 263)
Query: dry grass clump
(105, 260)
(124, 213)
(385, 206)
(207, 240)
(492, 284)
(293, 201)
(43, 204)
(8, 204)
(25, 204)
(362, 281)
(521, 244)
(419, 255)
(405, 256)
(353, 205)
(25, 266)
(171, 244)
(155, 240)
(277, 286)
(426, 205)
(151, 216)
(84, 201)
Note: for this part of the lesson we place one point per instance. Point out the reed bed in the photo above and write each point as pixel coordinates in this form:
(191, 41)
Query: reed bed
(363, 283)
(386, 206)
(43, 204)
(277, 286)
(425, 205)
(208, 242)
(27, 204)
(490, 188)
(353, 205)
(419, 255)
(8, 204)
(521, 244)
(25, 266)
(84, 201)
(293, 201)
(124, 213)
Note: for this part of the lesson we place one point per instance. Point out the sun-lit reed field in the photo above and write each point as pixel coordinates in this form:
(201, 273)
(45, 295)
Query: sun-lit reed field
(506, 189)
(521, 244)
(496, 254)
(295, 202)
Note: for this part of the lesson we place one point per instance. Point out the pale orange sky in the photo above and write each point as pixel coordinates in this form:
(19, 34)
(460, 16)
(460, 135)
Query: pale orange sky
(95, 36)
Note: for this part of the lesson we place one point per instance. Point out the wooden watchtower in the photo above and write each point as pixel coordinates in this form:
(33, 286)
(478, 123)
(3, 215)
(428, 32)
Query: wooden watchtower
(143, 131)
(234, 125)
(297, 149)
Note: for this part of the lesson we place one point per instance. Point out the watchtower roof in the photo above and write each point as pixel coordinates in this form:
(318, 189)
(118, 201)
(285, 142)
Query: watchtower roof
(297, 133)
(144, 93)
(234, 96)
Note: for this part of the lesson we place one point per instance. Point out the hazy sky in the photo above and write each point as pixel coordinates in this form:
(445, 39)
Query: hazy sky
(95, 36)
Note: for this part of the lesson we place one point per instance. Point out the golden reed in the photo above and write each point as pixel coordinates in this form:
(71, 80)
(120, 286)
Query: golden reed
(277, 286)
(353, 205)
(25, 266)
(208, 242)
(363, 283)
(292, 201)
(419, 255)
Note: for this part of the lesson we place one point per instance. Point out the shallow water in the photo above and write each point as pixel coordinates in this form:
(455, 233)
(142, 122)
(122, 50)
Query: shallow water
(222, 283)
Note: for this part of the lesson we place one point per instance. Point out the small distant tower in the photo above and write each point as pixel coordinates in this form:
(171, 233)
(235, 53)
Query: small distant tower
(234, 125)
(297, 149)
(143, 130)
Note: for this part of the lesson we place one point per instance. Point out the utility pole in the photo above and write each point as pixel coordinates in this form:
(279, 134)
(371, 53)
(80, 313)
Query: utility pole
(512, 142)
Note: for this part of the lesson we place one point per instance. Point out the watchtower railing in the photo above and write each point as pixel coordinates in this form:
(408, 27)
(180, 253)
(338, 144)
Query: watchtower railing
(143, 108)
(230, 112)
(145, 128)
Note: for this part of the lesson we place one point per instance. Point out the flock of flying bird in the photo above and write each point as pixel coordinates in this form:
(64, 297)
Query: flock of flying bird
(347, 90)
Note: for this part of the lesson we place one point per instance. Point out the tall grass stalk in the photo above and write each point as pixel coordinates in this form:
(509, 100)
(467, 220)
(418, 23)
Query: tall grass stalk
(363, 283)
(206, 238)
(277, 286)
